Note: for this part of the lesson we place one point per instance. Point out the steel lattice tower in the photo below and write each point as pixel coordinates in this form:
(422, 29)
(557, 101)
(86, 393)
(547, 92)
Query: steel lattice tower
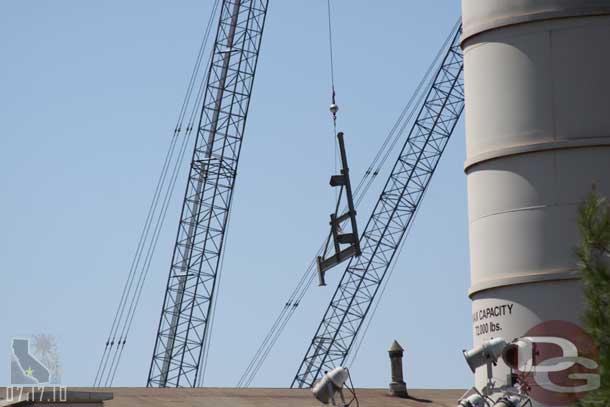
(184, 329)
(389, 221)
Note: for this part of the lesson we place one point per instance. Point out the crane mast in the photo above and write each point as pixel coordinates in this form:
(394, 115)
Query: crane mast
(391, 217)
(184, 326)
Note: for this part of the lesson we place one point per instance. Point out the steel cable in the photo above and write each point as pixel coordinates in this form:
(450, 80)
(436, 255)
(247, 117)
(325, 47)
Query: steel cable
(140, 264)
(383, 153)
(159, 224)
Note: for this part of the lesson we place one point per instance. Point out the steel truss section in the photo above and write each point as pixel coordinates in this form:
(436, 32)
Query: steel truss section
(337, 235)
(184, 327)
(389, 221)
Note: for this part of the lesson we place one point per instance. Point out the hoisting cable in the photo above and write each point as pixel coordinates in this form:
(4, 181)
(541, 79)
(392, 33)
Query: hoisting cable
(158, 226)
(140, 265)
(373, 170)
(155, 237)
(334, 108)
(341, 244)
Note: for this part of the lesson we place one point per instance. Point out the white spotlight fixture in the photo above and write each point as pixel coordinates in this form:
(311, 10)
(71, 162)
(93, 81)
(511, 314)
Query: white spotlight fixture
(474, 400)
(332, 383)
(519, 354)
(487, 353)
(516, 354)
(512, 401)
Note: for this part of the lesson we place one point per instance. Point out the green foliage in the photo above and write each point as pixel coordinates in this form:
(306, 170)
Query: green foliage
(594, 256)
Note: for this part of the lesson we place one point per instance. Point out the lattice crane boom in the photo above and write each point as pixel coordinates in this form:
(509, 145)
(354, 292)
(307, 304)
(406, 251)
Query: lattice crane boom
(184, 326)
(391, 217)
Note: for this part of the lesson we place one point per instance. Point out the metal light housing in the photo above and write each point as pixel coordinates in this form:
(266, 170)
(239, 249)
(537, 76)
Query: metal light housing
(488, 352)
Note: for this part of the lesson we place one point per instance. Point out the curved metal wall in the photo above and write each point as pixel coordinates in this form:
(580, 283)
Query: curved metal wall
(537, 83)
(483, 15)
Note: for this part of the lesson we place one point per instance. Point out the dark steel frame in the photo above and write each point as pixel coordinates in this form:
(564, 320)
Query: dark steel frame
(184, 327)
(389, 221)
(338, 237)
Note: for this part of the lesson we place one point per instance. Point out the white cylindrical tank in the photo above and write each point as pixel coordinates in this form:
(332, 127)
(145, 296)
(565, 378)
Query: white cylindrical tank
(537, 83)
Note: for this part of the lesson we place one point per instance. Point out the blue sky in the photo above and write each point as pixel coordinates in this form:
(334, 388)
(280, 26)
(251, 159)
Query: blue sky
(90, 92)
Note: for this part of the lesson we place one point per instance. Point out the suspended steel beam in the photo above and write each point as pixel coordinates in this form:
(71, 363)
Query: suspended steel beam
(389, 221)
(337, 235)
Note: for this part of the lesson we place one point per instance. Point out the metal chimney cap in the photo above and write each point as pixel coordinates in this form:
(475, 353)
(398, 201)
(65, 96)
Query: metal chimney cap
(395, 347)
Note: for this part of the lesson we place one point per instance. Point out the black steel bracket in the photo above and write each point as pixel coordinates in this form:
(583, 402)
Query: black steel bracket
(340, 238)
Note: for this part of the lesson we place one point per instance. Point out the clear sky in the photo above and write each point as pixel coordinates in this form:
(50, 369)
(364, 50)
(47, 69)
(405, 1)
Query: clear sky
(89, 95)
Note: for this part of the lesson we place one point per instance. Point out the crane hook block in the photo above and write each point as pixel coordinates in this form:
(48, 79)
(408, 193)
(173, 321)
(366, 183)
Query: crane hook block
(337, 236)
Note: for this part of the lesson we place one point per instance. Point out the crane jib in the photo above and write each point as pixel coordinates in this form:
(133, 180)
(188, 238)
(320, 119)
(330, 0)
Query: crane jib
(390, 220)
(184, 327)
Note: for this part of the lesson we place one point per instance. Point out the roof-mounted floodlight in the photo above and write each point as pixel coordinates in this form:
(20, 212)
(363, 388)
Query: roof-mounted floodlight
(512, 401)
(474, 400)
(332, 383)
(519, 354)
(487, 353)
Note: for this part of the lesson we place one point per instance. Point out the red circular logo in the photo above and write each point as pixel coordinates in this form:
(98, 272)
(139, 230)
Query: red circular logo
(558, 363)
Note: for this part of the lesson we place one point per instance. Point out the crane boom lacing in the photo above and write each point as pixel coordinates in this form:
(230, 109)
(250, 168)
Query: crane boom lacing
(389, 221)
(184, 327)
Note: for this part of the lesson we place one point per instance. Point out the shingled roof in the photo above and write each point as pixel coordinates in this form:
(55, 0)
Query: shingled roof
(231, 397)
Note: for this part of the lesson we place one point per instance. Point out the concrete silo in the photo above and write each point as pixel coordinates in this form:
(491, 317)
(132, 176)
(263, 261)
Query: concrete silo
(537, 82)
